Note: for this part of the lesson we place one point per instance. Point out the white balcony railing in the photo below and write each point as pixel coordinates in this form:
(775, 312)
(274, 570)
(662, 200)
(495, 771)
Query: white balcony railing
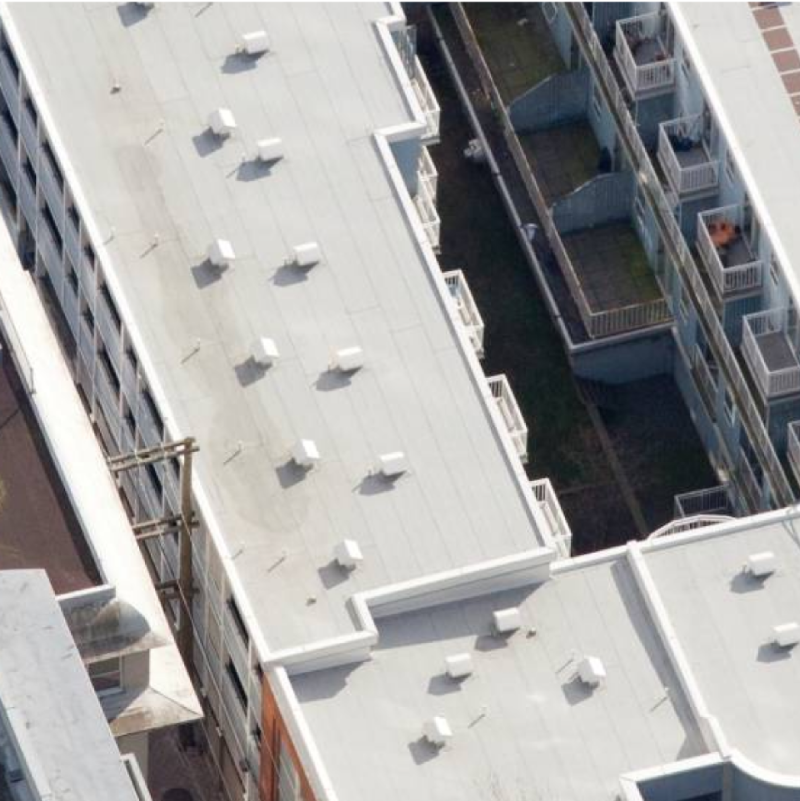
(769, 352)
(467, 308)
(428, 171)
(642, 56)
(688, 524)
(726, 253)
(548, 502)
(427, 99)
(714, 500)
(509, 411)
(684, 156)
(425, 201)
(793, 448)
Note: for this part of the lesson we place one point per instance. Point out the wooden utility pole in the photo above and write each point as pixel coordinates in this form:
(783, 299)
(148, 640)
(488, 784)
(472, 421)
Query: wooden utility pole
(181, 523)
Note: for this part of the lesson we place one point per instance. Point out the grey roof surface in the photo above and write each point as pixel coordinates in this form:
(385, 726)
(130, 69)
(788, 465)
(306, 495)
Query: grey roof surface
(45, 690)
(723, 619)
(762, 120)
(523, 725)
(324, 89)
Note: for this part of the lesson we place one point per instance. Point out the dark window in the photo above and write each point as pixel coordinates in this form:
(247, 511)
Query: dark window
(72, 277)
(102, 355)
(51, 159)
(10, 57)
(30, 108)
(111, 306)
(30, 173)
(88, 255)
(73, 216)
(237, 684)
(148, 401)
(155, 479)
(238, 620)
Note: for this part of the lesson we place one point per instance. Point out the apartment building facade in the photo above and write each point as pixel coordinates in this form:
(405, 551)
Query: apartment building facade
(722, 320)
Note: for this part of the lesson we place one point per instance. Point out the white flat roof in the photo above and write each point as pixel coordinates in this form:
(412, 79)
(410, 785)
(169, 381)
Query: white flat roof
(759, 118)
(682, 633)
(524, 725)
(147, 166)
(48, 703)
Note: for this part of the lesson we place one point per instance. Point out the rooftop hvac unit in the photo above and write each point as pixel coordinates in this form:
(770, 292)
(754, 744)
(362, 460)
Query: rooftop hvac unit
(506, 620)
(458, 666)
(222, 122)
(762, 564)
(305, 453)
(348, 360)
(437, 731)
(786, 635)
(265, 352)
(270, 150)
(348, 554)
(591, 671)
(221, 254)
(392, 464)
(254, 43)
(306, 255)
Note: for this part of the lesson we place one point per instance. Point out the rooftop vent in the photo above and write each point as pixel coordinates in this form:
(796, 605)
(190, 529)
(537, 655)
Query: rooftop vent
(786, 635)
(348, 554)
(591, 671)
(506, 620)
(437, 731)
(348, 359)
(392, 464)
(222, 122)
(270, 150)
(306, 255)
(305, 453)
(762, 564)
(265, 352)
(221, 254)
(458, 666)
(254, 43)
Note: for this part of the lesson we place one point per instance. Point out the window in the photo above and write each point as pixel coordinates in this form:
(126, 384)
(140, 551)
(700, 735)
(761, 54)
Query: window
(72, 276)
(730, 406)
(47, 152)
(108, 367)
(238, 620)
(597, 106)
(236, 682)
(105, 294)
(730, 167)
(30, 108)
(151, 407)
(257, 736)
(106, 676)
(73, 216)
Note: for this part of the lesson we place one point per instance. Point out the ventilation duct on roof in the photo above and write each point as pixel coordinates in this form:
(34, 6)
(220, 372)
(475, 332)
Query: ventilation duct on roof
(265, 352)
(221, 254)
(270, 150)
(348, 554)
(786, 635)
(254, 43)
(305, 453)
(762, 564)
(222, 122)
(591, 671)
(458, 666)
(306, 255)
(506, 620)
(347, 360)
(392, 464)
(437, 731)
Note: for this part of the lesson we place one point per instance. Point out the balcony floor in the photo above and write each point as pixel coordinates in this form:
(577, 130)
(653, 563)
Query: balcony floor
(562, 158)
(693, 157)
(519, 55)
(648, 51)
(777, 351)
(612, 266)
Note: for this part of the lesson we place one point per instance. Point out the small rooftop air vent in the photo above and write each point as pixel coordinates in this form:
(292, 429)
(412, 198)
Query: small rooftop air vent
(458, 666)
(254, 43)
(591, 671)
(506, 620)
(762, 564)
(305, 453)
(222, 122)
(392, 464)
(437, 731)
(347, 360)
(221, 254)
(270, 150)
(265, 352)
(786, 635)
(348, 554)
(306, 255)
(145, 6)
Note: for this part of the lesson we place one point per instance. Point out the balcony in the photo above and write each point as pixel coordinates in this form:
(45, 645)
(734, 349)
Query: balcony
(467, 309)
(793, 448)
(27, 197)
(705, 375)
(8, 150)
(51, 255)
(427, 99)
(769, 352)
(746, 474)
(642, 55)
(723, 241)
(712, 501)
(9, 82)
(425, 201)
(685, 156)
(512, 416)
(52, 188)
(548, 502)
(108, 330)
